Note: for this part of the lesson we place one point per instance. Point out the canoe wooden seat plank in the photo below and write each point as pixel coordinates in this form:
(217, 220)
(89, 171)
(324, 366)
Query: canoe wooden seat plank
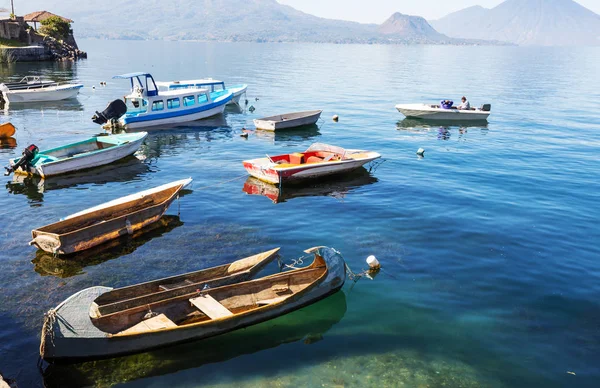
(155, 323)
(209, 306)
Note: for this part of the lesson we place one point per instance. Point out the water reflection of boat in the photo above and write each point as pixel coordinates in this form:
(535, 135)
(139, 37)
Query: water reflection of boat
(337, 189)
(33, 187)
(8, 142)
(47, 264)
(309, 325)
(418, 125)
(63, 105)
(307, 132)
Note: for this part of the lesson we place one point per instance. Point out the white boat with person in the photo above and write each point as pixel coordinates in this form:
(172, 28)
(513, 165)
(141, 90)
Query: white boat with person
(207, 83)
(146, 106)
(288, 120)
(93, 152)
(34, 89)
(444, 111)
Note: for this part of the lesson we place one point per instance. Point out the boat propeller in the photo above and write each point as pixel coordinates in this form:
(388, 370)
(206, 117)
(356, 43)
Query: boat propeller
(24, 163)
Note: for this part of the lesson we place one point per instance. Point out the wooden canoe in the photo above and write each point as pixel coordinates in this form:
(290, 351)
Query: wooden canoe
(75, 329)
(288, 120)
(102, 223)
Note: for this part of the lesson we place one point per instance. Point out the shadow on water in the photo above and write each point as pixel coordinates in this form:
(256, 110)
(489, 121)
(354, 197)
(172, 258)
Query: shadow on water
(34, 187)
(306, 132)
(46, 264)
(308, 325)
(337, 188)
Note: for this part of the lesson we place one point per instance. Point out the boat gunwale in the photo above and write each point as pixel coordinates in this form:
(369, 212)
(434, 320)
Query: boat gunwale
(270, 306)
(272, 253)
(254, 162)
(160, 204)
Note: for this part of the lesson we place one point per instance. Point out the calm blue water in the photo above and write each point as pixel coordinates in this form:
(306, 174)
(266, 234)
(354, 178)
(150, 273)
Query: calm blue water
(489, 243)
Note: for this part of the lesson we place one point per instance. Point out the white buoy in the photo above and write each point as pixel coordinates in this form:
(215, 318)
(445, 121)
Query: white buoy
(420, 152)
(373, 262)
(336, 117)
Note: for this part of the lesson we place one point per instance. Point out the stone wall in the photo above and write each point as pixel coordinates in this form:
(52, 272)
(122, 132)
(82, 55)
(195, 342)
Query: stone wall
(10, 29)
(28, 54)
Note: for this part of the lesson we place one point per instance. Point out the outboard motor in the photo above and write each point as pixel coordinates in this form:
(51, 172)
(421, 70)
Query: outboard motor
(24, 163)
(114, 110)
(486, 107)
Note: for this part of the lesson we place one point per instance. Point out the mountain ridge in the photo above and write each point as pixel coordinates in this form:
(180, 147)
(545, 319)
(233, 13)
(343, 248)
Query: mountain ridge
(525, 22)
(231, 21)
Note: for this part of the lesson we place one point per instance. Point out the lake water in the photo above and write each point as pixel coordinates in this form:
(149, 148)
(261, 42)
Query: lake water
(489, 244)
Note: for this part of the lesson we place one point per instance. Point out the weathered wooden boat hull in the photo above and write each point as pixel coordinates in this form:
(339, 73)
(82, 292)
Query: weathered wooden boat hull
(162, 289)
(288, 120)
(50, 93)
(51, 239)
(86, 160)
(422, 111)
(70, 334)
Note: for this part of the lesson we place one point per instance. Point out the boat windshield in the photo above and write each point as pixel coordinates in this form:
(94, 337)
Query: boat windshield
(326, 147)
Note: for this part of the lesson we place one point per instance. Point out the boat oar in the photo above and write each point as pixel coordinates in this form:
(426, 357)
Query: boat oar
(7, 130)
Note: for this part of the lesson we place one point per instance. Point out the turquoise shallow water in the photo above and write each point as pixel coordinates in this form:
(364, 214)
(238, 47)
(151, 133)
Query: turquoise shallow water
(488, 243)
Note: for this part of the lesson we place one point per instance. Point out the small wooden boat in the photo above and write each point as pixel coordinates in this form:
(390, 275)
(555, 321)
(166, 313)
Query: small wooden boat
(317, 161)
(93, 152)
(288, 120)
(7, 130)
(34, 89)
(96, 225)
(439, 112)
(77, 328)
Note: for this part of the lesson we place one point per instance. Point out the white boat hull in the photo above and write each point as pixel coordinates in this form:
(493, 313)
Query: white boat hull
(42, 94)
(276, 123)
(426, 112)
(237, 95)
(90, 160)
(176, 119)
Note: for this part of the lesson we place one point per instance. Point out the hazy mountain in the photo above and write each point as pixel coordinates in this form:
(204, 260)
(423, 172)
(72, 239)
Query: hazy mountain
(228, 20)
(526, 22)
(410, 27)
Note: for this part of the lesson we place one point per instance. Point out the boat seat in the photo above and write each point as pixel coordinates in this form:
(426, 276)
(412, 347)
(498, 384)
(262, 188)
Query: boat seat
(172, 286)
(161, 321)
(269, 301)
(210, 307)
(314, 159)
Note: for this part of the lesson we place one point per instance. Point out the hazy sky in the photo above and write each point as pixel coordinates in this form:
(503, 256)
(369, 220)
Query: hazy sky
(377, 11)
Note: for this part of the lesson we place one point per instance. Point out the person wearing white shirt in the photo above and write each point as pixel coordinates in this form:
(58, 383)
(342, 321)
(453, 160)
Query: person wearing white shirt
(465, 104)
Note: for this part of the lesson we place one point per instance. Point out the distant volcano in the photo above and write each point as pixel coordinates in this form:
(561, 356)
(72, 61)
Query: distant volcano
(410, 27)
(526, 22)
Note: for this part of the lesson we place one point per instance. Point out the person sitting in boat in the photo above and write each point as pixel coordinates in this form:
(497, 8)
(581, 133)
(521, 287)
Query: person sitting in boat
(465, 104)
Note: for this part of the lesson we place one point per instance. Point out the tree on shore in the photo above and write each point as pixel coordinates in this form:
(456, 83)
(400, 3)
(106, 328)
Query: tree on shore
(55, 27)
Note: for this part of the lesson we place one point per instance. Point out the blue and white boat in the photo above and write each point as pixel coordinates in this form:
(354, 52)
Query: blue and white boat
(207, 83)
(146, 106)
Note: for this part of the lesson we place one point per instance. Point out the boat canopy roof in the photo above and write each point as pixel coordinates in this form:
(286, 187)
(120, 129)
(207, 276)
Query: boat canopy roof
(131, 75)
(149, 87)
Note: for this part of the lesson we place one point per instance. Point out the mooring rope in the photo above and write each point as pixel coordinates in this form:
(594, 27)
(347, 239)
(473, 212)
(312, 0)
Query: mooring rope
(48, 329)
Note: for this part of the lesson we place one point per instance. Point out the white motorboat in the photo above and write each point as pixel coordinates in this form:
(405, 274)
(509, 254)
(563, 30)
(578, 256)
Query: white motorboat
(146, 106)
(438, 112)
(93, 152)
(208, 83)
(34, 89)
(288, 120)
(319, 160)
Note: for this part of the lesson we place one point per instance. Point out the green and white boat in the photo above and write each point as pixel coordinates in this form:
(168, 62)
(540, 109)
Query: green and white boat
(93, 152)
